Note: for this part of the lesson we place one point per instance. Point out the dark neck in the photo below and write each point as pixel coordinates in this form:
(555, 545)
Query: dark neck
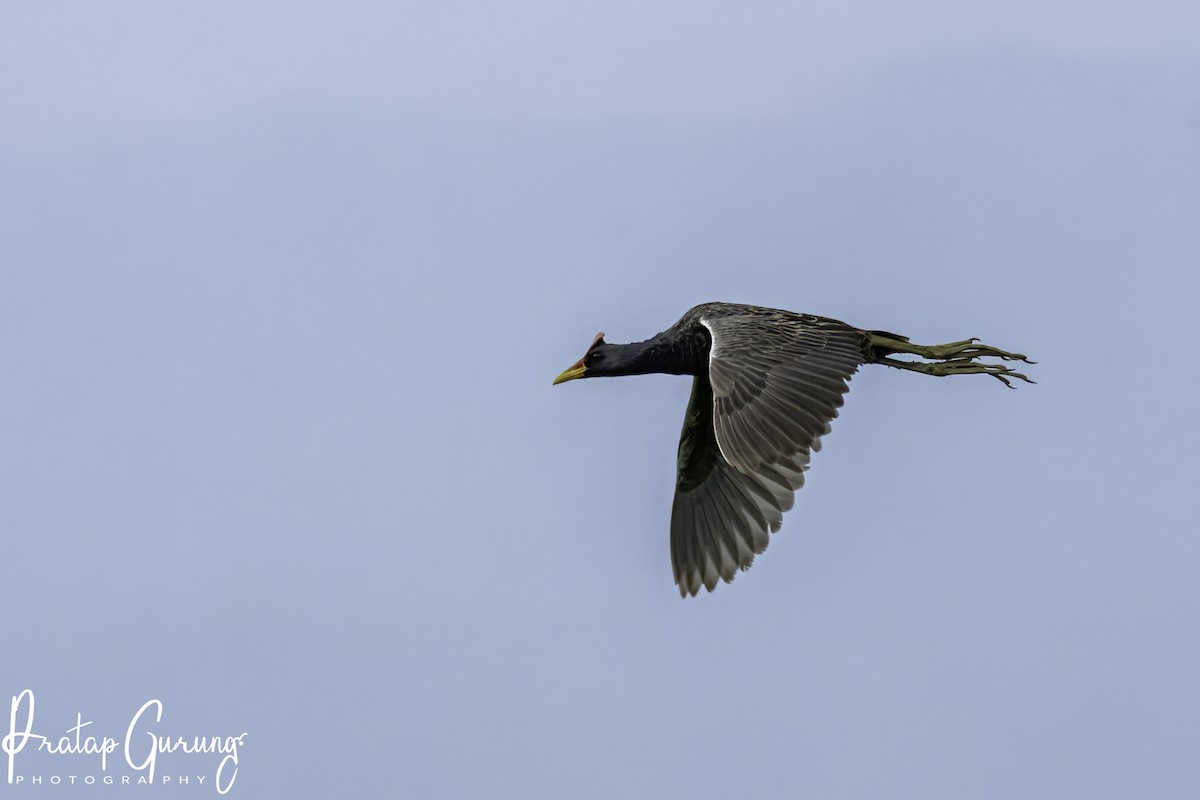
(671, 355)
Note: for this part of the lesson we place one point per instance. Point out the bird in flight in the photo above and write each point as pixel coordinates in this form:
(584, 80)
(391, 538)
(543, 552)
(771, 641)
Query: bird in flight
(767, 384)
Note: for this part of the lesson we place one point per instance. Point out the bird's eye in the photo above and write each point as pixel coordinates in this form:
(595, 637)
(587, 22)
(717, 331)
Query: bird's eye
(594, 356)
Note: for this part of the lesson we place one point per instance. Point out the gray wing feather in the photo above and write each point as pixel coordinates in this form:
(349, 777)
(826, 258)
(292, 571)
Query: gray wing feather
(773, 387)
(720, 517)
(777, 386)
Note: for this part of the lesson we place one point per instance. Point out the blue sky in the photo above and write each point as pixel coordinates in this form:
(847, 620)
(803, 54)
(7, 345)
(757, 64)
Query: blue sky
(283, 289)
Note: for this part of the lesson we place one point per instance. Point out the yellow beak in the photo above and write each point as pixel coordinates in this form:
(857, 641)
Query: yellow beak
(575, 371)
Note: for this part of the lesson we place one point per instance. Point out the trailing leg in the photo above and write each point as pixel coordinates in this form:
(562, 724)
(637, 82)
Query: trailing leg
(955, 358)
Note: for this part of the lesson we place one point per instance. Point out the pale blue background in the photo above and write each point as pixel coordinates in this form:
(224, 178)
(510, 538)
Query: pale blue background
(284, 287)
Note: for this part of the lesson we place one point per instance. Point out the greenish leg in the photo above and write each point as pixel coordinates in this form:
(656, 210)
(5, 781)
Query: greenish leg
(955, 358)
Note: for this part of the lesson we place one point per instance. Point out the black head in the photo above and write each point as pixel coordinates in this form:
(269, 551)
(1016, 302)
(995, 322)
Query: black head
(587, 366)
(603, 359)
(655, 354)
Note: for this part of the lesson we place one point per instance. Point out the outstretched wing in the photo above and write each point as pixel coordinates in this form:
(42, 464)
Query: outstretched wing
(775, 383)
(720, 517)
